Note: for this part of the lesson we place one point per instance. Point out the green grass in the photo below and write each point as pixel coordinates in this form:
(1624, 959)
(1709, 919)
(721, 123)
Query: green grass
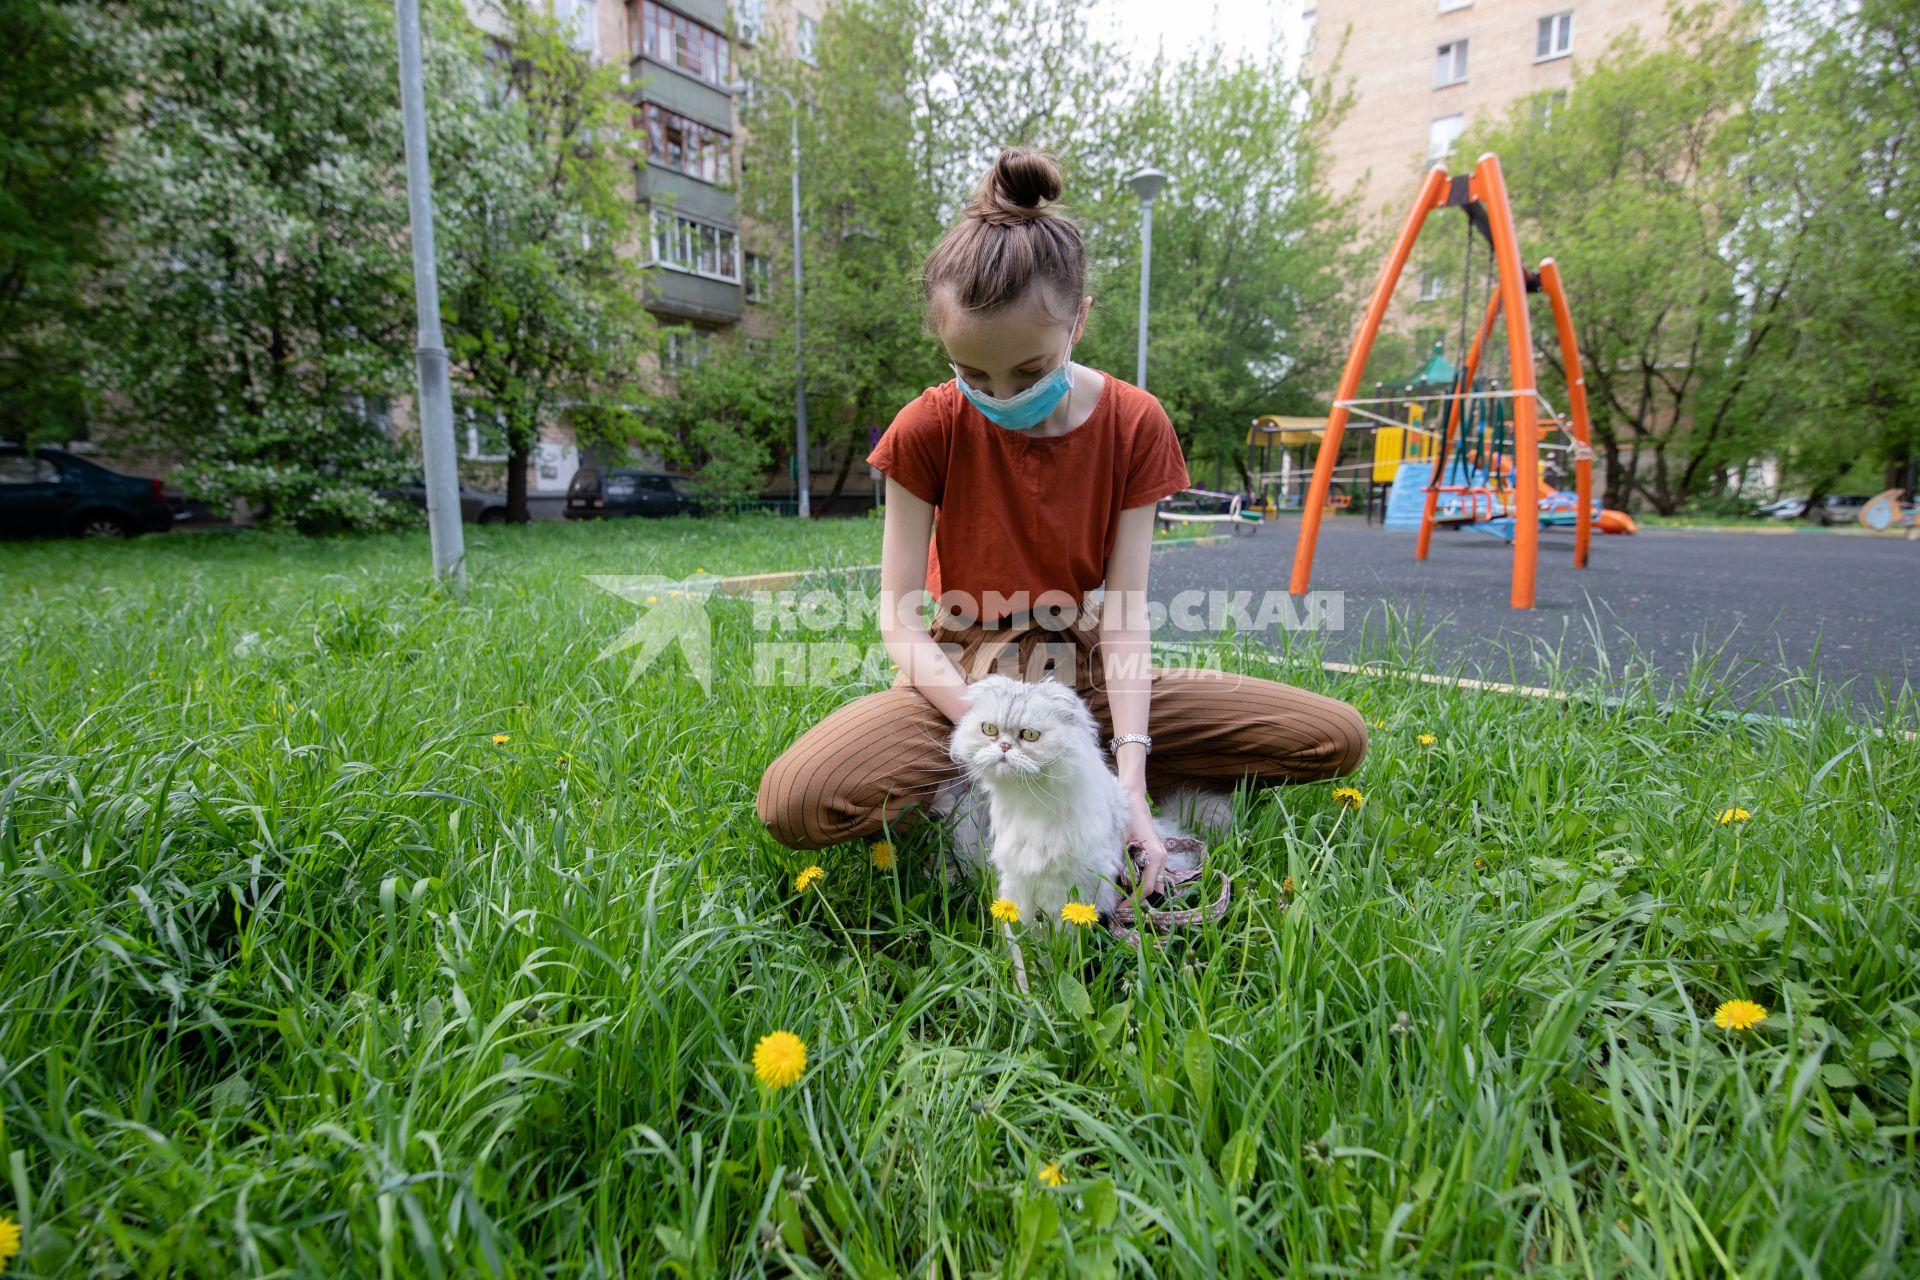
(301, 974)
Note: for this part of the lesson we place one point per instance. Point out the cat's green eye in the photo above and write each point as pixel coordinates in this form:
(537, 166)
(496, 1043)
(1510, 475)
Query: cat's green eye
(1031, 735)
(991, 730)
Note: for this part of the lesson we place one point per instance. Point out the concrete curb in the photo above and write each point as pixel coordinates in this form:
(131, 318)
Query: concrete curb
(744, 584)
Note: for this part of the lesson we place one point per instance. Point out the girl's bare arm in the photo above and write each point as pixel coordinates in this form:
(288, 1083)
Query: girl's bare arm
(1127, 653)
(903, 582)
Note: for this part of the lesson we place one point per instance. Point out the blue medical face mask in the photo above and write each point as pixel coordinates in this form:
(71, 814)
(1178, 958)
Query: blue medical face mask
(1032, 406)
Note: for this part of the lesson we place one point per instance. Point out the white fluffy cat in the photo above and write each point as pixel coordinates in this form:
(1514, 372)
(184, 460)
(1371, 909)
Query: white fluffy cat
(1045, 801)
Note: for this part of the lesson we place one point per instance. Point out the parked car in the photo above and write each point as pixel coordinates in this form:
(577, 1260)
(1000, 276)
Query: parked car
(477, 506)
(619, 491)
(53, 493)
(1841, 508)
(1782, 509)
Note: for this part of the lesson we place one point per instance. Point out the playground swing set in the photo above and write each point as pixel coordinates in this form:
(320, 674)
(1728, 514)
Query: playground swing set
(1480, 462)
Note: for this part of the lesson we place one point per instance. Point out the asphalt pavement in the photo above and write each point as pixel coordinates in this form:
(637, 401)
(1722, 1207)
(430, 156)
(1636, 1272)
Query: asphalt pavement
(1760, 608)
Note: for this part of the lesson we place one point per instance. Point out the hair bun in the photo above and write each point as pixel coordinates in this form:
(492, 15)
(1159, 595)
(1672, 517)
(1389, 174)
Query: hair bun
(1013, 188)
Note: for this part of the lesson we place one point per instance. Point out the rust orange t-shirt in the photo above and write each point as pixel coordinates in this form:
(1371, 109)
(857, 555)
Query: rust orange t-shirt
(1019, 513)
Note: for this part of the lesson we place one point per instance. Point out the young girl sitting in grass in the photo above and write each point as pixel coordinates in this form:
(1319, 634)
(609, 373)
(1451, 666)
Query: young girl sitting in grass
(1044, 476)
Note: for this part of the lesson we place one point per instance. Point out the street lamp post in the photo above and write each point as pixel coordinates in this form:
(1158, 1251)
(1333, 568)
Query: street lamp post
(803, 478)
(1146, 184)
(446, 538)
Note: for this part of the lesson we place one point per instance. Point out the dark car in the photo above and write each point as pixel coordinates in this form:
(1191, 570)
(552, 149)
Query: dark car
(477, 506)
(52, 493)
(619, 491)
(1841, 508)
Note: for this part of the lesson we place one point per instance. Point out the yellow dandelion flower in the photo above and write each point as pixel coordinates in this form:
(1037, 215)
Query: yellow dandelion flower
(1005, 911)
(1479, 864)
(1427, 739)
(1286, 885)
(673, 595)
(1733, 815)
(653, 599)
(779, 1059)
(808, 878)
(1051, 1175)
(9, 1241)
(501, 739)
(882, 855)
(1349, 797)
(1080, 913)
(1740, 1015)
(1377, 724)
(698, 569)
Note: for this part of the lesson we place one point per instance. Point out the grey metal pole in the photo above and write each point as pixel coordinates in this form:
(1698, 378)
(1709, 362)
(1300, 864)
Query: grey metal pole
(804, 478)
(430, 352)
(1146, 184)
(1146, 274)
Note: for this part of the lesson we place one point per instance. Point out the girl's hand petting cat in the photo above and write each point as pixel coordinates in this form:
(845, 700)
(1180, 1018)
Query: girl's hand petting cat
(1140, 830)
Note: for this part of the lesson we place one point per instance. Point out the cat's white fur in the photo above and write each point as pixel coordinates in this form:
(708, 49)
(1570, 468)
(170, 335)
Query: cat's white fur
(1048, 811)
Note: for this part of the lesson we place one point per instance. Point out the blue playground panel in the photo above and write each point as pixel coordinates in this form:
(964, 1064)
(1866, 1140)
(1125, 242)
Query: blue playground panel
(1407, 497)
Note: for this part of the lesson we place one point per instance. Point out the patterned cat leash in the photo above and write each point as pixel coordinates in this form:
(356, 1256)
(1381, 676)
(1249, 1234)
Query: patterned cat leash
(1121, 923)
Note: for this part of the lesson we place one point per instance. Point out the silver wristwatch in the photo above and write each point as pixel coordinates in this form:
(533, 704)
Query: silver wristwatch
(1113, 747)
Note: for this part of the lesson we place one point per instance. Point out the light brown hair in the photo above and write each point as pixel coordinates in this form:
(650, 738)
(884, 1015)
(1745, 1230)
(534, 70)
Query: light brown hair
(1005, 242)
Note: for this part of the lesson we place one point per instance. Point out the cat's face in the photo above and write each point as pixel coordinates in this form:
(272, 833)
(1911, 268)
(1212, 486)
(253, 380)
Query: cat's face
(1016, 729)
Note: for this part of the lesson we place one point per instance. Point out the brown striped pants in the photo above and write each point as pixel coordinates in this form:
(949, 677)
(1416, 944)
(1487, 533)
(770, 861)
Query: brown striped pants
(882, 758)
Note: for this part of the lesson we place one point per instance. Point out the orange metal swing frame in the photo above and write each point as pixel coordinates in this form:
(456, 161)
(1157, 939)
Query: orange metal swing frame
(1485, 188)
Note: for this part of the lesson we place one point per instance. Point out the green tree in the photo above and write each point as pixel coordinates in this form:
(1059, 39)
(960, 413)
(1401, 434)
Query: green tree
(259, 288)
(544, 291)
(909, 105)
(1251, 306)
(904, 107)
(57, 112)
(725, 411)
(1838, 159)
(1638, 186)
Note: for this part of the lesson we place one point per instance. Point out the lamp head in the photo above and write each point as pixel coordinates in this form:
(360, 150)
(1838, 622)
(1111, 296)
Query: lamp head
(1147, 183)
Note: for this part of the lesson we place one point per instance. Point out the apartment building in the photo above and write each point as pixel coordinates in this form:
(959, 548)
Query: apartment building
(1421, 70)
(682, 59)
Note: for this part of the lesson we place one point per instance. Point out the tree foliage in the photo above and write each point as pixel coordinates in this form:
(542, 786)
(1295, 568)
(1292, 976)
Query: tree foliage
(57, 114)
(258, 289)
(544, 291)
(907, 107)
(1637, 187)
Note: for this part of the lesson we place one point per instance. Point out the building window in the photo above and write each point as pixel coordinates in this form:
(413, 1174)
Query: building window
(1441, 135)
(700, 248)
(1450, 64)
(1433, 285)
(695, 149)
(666, 36)
(1555, 37)
(483, 436)
(1546, 106)
(806, 33)
(689, 349)
(578, 22)
(746, 20)
(759, 280)
(370, 409)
